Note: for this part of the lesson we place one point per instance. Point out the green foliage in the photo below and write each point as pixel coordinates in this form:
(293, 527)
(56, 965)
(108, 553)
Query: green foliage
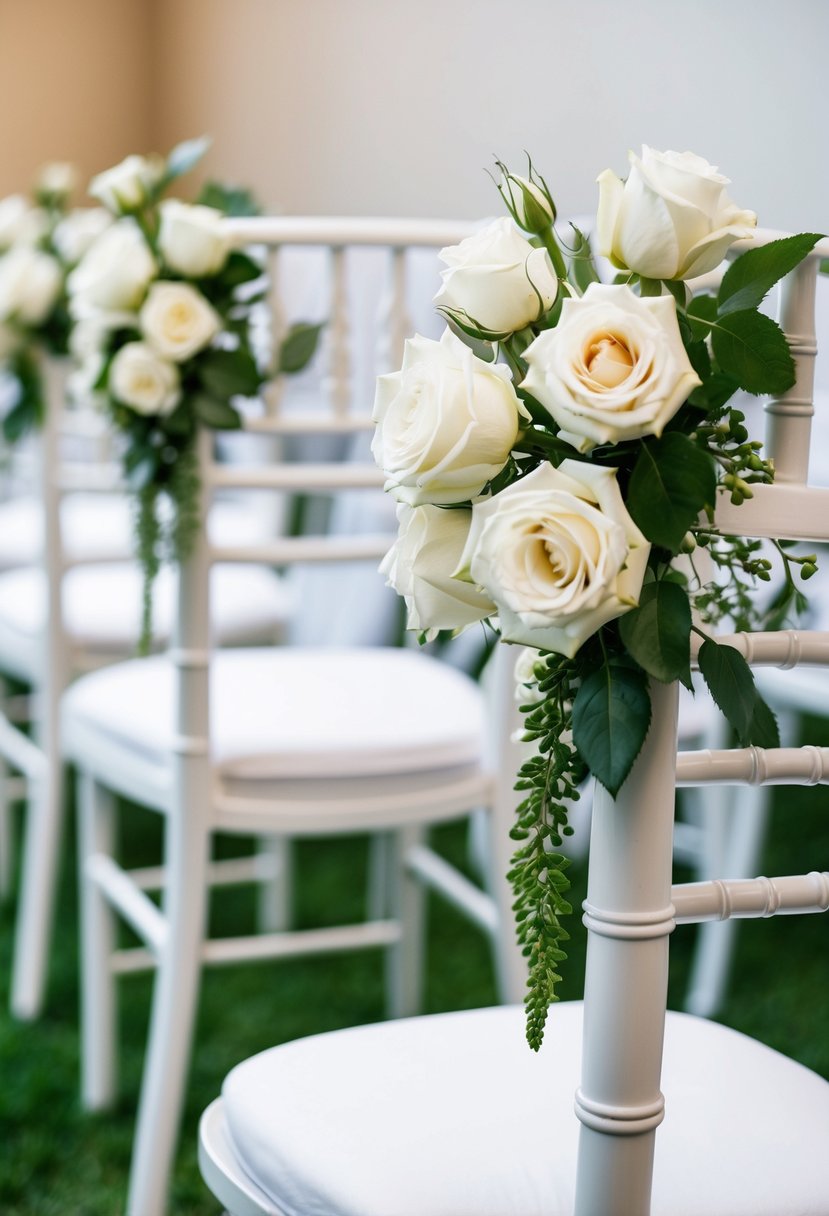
(229, 373)
(28, 410)
(611, 716)
(658, 633)
(185, 156)
(673, 480)
(750, 278)
(298, 347)
(731, 683)
(753, 348)
(550, 781)
(232, 200)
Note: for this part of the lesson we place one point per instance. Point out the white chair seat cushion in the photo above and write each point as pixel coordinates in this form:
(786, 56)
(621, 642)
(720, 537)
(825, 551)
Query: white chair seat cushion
(102, 606)
(453, 1115)
(295, 712)
(101, 525)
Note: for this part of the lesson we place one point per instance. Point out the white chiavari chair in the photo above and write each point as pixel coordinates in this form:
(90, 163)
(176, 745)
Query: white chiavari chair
(452, 1114)
(289, 741)
(70, 600)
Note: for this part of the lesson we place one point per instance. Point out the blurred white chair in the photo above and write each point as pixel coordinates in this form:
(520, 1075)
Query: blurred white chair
(452, 1114)
(291, 741)
(75, 605)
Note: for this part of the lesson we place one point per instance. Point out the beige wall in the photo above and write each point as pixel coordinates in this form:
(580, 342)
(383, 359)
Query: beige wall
(75, 80)
(397, 106)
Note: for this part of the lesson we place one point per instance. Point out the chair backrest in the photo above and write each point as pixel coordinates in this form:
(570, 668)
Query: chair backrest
(364, 278)
(631, 908)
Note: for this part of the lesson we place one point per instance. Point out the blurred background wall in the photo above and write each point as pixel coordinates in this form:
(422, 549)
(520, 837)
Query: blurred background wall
(389, 107)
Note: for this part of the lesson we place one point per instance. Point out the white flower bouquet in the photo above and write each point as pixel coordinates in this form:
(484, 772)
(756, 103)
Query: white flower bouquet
(557, 451)
(41, 240)
(163, 315)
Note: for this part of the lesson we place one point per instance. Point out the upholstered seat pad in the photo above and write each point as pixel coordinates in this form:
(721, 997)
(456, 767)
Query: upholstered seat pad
(102, 604)
(295, 712)
(453, 1115)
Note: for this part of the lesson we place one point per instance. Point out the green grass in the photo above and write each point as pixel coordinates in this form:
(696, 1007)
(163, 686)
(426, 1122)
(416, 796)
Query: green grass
(57, 1161)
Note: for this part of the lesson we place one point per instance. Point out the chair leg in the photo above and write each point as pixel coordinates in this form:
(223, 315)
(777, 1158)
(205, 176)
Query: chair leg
(41, 853)
(99, 994)
(172, 1020)
(405, 962)
(276, 892)
(380, 867)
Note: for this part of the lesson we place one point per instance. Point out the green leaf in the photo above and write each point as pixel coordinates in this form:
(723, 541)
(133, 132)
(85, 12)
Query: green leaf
(611, 716)
(649, 287)
(185, 156)
(750, 277)
(731, 684)
(239, 268)
(298, 348)
(701, 312)
(215, 413)
(658, 632)
(763, 731)
(232, 200)
(753, 348)
(671, 482)
(228, 373)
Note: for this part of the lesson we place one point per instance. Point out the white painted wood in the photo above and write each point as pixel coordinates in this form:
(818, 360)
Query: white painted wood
(99, 993)
(723, 899)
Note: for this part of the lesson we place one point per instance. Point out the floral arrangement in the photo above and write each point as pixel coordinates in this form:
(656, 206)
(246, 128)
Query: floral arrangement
(41, 240)
(557, 456)
(164, 332)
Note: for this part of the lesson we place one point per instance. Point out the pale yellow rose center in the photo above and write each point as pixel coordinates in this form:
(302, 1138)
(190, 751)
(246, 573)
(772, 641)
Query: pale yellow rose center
(608, 361)
(178, 322)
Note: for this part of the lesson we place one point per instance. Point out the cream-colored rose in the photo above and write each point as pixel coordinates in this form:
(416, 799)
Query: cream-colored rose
(88, 336)
(446, 422)
(127, 186)
(559, 554)
(30, 283)
(114, 272)
(177, 321)
(420, 567)
(497, 279)
(57, 179)
(671, 219)
(20, 223)
(192, 239)
(614, 367)
(142, 379)
(78, 231)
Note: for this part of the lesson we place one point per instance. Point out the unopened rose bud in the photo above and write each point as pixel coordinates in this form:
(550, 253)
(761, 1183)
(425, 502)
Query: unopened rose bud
(689, 543)
(528, 199)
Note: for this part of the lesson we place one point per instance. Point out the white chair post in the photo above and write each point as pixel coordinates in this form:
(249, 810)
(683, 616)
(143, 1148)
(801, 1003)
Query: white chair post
(42, 835)
(789, 418)
(629, 916)
(185, 896)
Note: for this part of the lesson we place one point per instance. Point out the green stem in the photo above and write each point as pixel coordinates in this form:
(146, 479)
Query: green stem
(556, 256)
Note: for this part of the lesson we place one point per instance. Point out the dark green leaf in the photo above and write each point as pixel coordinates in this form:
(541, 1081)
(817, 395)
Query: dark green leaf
(731, 684)
(671, 482)
(763, 730)
(142, 473)
(752, 275)
(658, 632)
(753, 348)
(215, 413)
(239, 268)
(185, 156)
(20, 419)
(650, 287)
(298, 348)
(228, 373)
(701, 311)
(611, 716)
(718, 388)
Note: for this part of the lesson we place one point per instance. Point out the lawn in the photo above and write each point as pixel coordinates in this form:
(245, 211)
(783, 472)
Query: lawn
(57, 1161)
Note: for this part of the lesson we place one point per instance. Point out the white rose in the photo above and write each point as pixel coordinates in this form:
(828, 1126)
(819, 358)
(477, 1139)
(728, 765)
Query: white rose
(497, 279)
(559, 554)
(446, 422)
(20, 223)
(420, 567)
(127, 187)
(30, 283)
(57, 179)
(89, 334)
(78, 231)
(177, 321)
(114, 272)
(671, 219)
(614, 367)
(140, 378)
(192, 239)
